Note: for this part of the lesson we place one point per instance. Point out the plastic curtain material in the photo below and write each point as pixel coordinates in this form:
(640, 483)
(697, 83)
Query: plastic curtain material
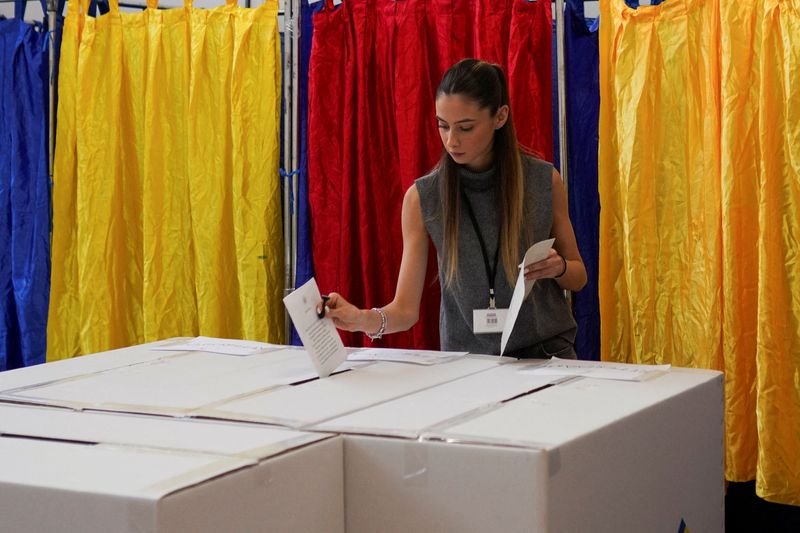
(167, 217)
(374, 69)
(699, 179)
(304, 269)
(24, 192)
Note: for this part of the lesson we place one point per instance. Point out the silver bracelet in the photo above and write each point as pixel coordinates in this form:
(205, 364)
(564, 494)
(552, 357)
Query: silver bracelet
(378, 334)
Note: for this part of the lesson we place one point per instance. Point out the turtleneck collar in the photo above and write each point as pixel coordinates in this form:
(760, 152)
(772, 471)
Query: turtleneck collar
(477, 181)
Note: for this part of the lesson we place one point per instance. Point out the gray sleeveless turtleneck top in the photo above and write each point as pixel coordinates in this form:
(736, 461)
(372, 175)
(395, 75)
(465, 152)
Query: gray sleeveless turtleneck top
(545, 326)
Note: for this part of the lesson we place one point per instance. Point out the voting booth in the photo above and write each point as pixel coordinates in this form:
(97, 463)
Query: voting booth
(172, 436)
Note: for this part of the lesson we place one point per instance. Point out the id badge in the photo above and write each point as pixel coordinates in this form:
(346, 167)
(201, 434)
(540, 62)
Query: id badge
(488, 320)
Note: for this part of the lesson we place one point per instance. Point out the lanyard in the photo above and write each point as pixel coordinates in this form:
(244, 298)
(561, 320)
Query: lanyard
(491, 271)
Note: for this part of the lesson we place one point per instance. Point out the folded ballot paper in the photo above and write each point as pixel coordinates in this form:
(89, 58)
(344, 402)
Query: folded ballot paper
(320, 338)
(523, 287)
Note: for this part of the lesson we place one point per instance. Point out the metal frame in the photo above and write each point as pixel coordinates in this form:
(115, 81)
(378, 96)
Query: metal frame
(295, 26)
(563, 153)
(51, 58)
(562, 94)
(291, 147)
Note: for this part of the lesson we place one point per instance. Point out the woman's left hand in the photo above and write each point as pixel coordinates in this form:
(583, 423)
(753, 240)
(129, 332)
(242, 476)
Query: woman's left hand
(550, 267)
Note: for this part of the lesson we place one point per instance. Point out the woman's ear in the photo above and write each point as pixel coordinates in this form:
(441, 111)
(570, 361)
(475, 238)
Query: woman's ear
(501, 117)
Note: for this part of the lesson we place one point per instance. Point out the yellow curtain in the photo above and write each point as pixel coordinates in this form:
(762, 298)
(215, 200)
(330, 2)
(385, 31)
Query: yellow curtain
(167, 216)
(660, 234)
(778, 355)
(700, 188)
(740, 175)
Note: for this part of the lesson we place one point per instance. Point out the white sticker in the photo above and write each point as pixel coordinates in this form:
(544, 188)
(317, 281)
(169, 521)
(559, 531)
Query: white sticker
(488, 320)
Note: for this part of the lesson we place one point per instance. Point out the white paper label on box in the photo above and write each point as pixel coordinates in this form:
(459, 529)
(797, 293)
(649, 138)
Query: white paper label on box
(418, 357)
(596, 369)
(223, 346)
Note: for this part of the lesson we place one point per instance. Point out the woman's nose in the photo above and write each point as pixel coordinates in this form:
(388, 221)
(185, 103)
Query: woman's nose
(452, 139)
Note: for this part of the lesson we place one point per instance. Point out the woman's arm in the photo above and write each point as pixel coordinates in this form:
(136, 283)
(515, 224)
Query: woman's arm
(403, 312)
(574, 277)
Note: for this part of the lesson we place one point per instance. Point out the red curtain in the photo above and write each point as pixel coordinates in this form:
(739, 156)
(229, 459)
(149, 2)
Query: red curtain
(375, 66)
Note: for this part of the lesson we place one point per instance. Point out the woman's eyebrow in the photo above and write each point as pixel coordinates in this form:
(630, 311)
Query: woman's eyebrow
(458, 121)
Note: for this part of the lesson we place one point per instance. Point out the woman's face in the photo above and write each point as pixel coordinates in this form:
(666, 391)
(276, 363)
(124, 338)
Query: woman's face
(467, 131)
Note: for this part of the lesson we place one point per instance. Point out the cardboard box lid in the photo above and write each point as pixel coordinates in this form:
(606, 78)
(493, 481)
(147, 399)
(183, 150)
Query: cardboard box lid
(410, 415)
(175, 384)
(576, 408)
(396, 485)
(79, 366)
(103, 469)
(320, 400)
(201, 436)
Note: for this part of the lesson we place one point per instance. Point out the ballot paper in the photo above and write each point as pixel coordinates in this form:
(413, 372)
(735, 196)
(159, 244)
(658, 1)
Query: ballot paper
(523, 287)
(596, 369)
(319, 335)
(418, 357)
(223, 346)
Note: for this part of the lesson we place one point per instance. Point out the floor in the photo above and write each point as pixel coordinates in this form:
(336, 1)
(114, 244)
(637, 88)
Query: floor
(746, 512)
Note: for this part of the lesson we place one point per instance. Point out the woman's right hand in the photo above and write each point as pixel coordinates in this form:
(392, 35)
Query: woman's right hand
(345, 315)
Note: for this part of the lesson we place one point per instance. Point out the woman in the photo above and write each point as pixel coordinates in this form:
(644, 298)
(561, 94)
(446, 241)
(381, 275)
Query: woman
(485, 203)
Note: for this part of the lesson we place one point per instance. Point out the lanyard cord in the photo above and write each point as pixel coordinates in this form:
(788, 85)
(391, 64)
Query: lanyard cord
(491, 271)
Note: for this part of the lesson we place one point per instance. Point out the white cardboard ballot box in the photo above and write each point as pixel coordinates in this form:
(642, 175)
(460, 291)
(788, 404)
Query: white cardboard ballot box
(78, 366)
(584, 455)
(255, 387)
(410, 415)
(63, 471)
(466, 445)
(311, 403)
(173, 383)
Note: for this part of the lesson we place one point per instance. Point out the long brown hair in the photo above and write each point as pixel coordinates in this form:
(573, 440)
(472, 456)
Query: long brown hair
(485, 84)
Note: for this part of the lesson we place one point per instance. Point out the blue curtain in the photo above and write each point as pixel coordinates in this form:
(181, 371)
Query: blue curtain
(24, 191)
(582, 57)
(581, 71)
(305, 263)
